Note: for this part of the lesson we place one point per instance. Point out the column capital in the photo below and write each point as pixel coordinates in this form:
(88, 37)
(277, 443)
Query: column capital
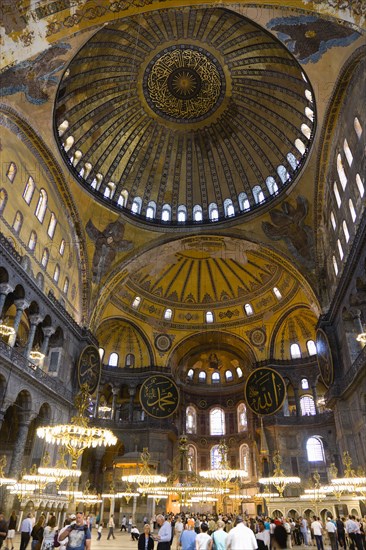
(48, 331)
(356, 313)
(26, 417)
(115, 391)
(21, 304)
(35, 318)
(132, 391)
(6, 288)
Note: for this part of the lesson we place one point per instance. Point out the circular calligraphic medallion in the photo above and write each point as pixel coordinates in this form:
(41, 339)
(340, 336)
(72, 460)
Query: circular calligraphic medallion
(89, 368)
(258, 337)
(265, 391)
(163, 342)
(159, 396)
(324, 356)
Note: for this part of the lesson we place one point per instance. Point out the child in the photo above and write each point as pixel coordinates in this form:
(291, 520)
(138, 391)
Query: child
(100, 529)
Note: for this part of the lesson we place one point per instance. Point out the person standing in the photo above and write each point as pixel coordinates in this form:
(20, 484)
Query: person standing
(123, 524)
(37, 534)
(11, 531)
(219, 536)
(3, 529)
(100, 529)
(145, 541)
(317, 529)
(341, 532)
(78, 533)
(49, 534)
(354, 532)
(164, 534)
(304, 530)
(263, 538)
(188, 537)
(240, 537)
(178, 529)
(203, 539)
(111, 527)
(25, 531)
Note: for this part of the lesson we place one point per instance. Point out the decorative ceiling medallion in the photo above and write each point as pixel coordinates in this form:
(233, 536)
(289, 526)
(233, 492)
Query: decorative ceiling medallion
(184, 83)
(258, 337)
(163, 342)
(324, 357)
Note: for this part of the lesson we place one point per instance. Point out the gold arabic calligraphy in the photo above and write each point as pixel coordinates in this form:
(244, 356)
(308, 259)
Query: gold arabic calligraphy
(265, 391)
(159, 396)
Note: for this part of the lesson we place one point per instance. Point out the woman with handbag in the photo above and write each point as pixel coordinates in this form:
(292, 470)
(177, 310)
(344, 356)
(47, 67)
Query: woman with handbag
(37, 534)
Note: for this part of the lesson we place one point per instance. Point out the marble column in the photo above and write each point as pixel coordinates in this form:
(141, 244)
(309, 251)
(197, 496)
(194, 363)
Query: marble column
(132, 393)
(315, 397)
(96, 405)
(34, 321)
(47, 331)
(356, 316)
(20, 305)
(297, 401)
(5, 289)
(115, 392)
(18, 453)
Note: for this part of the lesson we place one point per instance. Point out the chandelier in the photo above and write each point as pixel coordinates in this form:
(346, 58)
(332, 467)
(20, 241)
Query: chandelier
(279, 480)
(5, 329)
(22, 489)
(223, 474)
(5, 480)
(78, 435)
(144, 479)
(59, 472)
(350, 483)
(317, 493)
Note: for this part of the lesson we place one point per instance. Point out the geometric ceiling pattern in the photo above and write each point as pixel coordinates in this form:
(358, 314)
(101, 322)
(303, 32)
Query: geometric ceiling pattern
(187, 116)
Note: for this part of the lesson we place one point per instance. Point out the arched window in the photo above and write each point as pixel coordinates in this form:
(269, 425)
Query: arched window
(309, 96)
(217, 422)
(337, 195)
(295, 351)
(101, 353)
(32, 240)
(45, 257)
(310, 344)
(248, 309)
(347, 152)
(151, 210)
(209, 317)
(239, 372)
(277, 293)
(244, 203)
(136, 205)
(340, 249)
(192, 458)
(213, 212)
(345, 230)
(63, 127)
(52, 226)
(341, 173)
(12, 171)
(228, 376)
(333, 220)
(62, 247)
(41, 205)
(197, 213)
(335, 265)
(166, 213)
(352, 210)
(191, 420)
(168, 314)
(229, 208)
(56, 273)
(307, 406)
(3, 199)
(190, 374)
(292, 160)
(136, 302)
(109, 190)
(282, 172)
(300, 146)
(304, 384)
(182, 213)
(360, 185)
(66, 285)
(309, 113)
(315, 450)
(271, 185)
(123, 198)
(306, 130)
(242, 418)
(113, 360)
(215, 378)
(357, 126)
(130, 360)
(18, 222)
(202, 376)
(258, 194)
(29, 190)
(244, 458)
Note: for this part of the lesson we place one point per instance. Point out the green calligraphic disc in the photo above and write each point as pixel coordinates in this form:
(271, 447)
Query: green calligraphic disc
(265, 391)
(159, 396)
(89, 368)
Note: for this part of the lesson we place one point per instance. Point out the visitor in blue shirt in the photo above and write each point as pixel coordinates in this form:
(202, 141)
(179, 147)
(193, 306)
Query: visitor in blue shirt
(188, 538)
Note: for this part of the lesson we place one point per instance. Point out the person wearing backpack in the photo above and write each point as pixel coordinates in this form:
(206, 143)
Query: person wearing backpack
(78, 533)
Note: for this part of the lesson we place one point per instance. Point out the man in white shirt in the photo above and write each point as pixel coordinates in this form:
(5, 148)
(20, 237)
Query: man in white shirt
(354, 532)
(241, 537)
(317, 528)
(332, 533)
(25, 531)
(178, 528)
(203, 539)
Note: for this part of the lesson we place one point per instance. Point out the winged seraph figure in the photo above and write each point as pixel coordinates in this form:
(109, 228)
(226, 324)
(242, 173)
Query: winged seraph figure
(107, 243)
(289, 225)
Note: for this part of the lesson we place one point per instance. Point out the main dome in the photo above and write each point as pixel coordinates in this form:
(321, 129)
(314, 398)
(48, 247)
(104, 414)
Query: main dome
(184, 116)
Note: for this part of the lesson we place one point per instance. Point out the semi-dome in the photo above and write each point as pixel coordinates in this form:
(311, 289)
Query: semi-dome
(184, 116)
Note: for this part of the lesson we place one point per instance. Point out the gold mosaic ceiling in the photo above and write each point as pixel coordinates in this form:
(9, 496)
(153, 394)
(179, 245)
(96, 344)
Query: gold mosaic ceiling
(191, 109)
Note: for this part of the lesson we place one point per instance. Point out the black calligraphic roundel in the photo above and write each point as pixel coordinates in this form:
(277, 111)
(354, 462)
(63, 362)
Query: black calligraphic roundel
(265, 391)
(324, 356)
(89, 368)
(159, 396)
